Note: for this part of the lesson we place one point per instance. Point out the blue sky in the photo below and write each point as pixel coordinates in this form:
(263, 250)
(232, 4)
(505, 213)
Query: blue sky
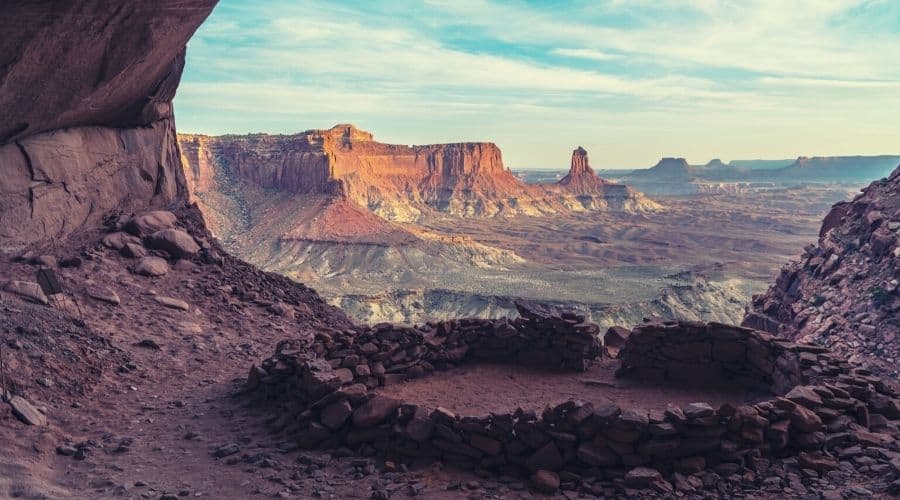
(630, 80)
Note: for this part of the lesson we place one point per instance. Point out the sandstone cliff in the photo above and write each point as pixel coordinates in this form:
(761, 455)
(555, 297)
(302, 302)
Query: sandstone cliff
(85, 92)
(843, 293)
(395, 182)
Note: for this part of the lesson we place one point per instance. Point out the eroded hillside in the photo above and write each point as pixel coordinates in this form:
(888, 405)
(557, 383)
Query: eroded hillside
(843, 292)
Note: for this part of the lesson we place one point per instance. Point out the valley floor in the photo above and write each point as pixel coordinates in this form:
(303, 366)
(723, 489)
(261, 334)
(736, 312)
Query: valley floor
(702, 258)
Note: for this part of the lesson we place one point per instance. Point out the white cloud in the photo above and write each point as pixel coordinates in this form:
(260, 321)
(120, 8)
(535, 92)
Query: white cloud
(591, 54)
(684, 78)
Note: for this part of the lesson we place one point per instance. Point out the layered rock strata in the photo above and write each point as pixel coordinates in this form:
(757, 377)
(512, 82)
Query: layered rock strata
(396, 182)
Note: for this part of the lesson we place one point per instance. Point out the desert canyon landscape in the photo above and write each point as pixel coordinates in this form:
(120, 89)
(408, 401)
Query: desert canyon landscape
(314, 313)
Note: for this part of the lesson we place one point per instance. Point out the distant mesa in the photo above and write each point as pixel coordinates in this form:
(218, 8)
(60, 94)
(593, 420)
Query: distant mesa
(674, 176)
(716, 164)
(672, 167)
(396, 182)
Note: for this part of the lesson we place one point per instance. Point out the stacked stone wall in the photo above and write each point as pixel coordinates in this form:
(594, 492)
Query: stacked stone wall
(832, 406)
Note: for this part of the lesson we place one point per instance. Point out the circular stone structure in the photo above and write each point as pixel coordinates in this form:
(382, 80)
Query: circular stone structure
(330, 392)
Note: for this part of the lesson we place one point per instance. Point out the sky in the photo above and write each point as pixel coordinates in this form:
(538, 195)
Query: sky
(630, 80)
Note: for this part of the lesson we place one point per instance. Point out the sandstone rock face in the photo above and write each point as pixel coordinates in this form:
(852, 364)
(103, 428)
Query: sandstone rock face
(85, 92)
(843, 293)
(55, 182)
(86, 63)
(395, 182)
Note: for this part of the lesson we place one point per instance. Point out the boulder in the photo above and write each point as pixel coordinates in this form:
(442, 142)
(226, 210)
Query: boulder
(150, 222)
(375, 411)
(805, 396)
(27, 290)
(151, 266)
(175, 242)
(547, 457)
(420, 427)
(597, 456)
(698, 410)
(614, 339)
(545, 481)
(817, 462)
(118, 240)
(335, 414)
(133, 250)
(805, 419)
(642, 477)
(488, 445)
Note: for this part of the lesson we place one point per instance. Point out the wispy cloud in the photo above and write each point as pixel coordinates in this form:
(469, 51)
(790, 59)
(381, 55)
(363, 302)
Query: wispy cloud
(593, 54)
(630, 77)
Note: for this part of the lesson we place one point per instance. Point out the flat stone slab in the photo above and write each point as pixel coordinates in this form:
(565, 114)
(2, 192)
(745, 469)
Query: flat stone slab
(25, 412)
(172, 303)
(107, 295)
(27, 290)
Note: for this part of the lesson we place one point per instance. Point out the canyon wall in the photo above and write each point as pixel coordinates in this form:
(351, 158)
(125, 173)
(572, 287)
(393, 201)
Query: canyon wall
(391, 180)
(89, 90)
(395, 181)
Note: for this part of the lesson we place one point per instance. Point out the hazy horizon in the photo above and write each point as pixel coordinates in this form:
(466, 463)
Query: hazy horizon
(630, 81)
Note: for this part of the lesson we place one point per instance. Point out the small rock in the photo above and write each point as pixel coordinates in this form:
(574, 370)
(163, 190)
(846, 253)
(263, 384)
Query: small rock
(152, 266)
(107, 295)
(545, 481)
(173, 303)
(70, 262)
(117, 240)
(226, 450)
(642, 477)
(66, 450)
(27, 413)
(282, 309)
(148, 343)
(27, 290)
(44, 261)
(698, 410)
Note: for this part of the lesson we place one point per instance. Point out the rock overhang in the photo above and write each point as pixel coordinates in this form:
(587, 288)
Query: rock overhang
(89, 63)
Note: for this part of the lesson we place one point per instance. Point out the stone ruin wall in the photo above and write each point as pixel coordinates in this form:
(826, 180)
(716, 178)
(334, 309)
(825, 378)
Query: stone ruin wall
(821, 405)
